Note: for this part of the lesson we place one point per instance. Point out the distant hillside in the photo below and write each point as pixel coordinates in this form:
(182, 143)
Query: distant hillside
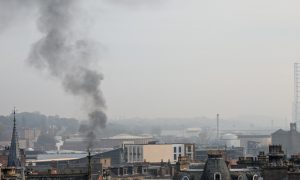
(69, 126)
(39, 121)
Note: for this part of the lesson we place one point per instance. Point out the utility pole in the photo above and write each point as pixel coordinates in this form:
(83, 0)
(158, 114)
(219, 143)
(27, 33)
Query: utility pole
(218, 130)
(89, 165)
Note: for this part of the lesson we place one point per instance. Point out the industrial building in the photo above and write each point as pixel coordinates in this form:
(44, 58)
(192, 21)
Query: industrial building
(104, 144)
(288, 139)
(230, 140)
(253, 144)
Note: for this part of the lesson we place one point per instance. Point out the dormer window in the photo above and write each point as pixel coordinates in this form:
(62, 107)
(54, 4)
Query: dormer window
(217, 176)
(255, 177)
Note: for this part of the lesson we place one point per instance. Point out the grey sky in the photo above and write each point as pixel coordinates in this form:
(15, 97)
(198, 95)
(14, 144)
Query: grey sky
(172, 58)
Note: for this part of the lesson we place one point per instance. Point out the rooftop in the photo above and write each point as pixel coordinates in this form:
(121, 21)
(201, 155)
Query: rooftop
(129, 136)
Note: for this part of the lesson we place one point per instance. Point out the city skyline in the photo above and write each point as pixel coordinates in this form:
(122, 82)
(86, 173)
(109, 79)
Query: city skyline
(167, 59)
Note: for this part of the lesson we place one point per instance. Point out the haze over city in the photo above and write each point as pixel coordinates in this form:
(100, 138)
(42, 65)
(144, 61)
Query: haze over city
(149, 89)
(165, 58)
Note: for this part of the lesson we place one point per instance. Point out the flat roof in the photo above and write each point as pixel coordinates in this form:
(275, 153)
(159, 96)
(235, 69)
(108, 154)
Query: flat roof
(254, 136)
(49, 160)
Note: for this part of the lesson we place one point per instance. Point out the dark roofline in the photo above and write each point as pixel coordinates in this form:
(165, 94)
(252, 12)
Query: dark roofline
(162, 144)
(280, 131)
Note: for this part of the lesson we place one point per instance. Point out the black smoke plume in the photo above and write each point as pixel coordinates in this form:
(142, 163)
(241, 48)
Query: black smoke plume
(69, 57)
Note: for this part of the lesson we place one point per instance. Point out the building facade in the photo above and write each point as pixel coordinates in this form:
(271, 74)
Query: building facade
(154, 153)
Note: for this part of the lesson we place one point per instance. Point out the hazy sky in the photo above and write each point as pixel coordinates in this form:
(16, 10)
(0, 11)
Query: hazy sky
(167, 58)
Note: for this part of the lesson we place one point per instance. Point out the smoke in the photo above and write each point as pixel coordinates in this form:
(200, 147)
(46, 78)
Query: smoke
(135, 2)
(96, 119)
(69, 57)
(12, 10)
(64, 52)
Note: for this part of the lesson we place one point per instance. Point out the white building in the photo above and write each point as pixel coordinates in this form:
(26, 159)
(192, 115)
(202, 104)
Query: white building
(230, 140)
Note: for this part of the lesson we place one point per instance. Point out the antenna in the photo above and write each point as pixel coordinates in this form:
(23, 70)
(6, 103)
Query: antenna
(218, 133)
(14, 110)
(296, 92)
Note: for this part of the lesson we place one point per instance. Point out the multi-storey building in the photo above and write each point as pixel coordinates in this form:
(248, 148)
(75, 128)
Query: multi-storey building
(154, 153)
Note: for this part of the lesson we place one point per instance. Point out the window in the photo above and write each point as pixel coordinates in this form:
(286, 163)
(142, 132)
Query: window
(175, 157)
(255, 177)
(217, 176)
(179, 149)
(189, 149)
(185, 178)
(174, 149)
